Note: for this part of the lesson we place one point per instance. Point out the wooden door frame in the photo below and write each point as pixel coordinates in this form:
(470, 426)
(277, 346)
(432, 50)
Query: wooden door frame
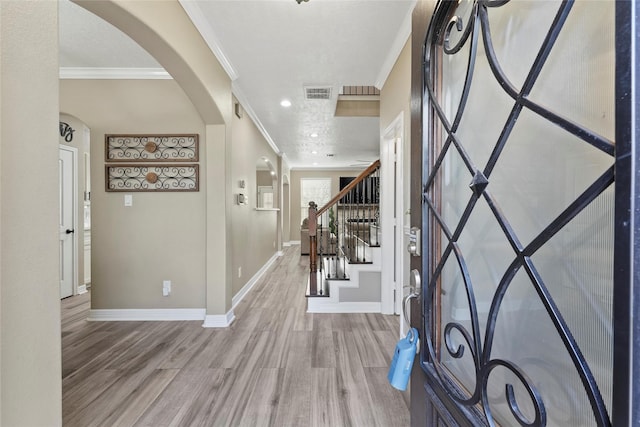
(626, 279)
(420, 22)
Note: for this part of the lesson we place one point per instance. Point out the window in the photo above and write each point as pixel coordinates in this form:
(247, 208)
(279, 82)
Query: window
(313, 189)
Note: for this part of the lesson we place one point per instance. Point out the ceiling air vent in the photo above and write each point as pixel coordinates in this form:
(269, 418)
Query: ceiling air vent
(317, 92)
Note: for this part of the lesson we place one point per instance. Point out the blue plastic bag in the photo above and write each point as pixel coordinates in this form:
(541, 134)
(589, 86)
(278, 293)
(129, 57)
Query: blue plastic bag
(400, 369)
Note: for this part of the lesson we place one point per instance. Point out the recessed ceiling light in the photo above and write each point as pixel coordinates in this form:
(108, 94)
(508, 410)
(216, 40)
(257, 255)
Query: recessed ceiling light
(315, 164)
(285, 103)
(314, 135)
(314, 152)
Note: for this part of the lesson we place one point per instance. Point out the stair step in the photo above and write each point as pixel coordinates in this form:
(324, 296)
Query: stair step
(361, 253)
(322, 287)
(337, 277)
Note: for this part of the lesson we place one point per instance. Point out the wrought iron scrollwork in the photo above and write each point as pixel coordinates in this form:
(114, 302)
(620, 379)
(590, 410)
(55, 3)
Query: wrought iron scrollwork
(66, 131)
(458, 23)
(470, 29)
(152, 177)
(163, 148)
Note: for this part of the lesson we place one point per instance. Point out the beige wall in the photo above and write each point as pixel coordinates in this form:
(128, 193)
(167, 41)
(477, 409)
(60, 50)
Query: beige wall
(285, 173)
(294, 187)
(264, 178)
(218, 220)
(205, 243)
(395, 98)
(166, 32)
(162, 236)
(254, 233)
(30, 365)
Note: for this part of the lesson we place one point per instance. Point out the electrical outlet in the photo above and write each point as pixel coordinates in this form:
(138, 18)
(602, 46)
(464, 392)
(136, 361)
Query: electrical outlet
(239, 272)
(166, 288)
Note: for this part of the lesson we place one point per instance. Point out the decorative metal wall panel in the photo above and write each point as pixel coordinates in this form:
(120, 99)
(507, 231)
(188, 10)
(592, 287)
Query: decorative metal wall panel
(151, 148)
(130, 178)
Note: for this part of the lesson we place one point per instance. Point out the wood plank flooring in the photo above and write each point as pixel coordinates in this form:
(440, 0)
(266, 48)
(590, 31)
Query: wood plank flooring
(275, 366)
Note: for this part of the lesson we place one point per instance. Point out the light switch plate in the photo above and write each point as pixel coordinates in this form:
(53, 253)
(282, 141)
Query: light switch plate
(128, 199)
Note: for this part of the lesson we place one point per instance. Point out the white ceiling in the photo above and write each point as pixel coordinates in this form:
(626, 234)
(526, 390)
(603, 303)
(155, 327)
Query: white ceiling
(272, 49)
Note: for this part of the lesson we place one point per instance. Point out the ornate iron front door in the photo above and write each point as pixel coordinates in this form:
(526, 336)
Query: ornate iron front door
(518, 201)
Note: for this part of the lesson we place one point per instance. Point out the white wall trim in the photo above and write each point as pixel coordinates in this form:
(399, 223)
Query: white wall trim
(82, 289)
(294, 242)
(286, 244)
(254, 117)
(219, 320)
(392, 136)
(140, 314)
(251, 283)
(398, 43)
(210, 320)
(114, 73)
(320, 305)
(204, 27)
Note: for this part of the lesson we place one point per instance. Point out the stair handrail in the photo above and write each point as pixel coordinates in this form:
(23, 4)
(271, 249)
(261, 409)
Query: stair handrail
(314, 213)
(365, 173)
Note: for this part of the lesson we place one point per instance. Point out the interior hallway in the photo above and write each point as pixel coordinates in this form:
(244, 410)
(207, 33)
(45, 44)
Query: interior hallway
(275, 366)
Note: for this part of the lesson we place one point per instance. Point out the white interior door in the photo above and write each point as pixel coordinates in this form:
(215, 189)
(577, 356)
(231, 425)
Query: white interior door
(67, 224)
(392, 219)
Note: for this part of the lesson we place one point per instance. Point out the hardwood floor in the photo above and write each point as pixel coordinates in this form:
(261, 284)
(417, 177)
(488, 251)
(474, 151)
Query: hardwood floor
(275, 366)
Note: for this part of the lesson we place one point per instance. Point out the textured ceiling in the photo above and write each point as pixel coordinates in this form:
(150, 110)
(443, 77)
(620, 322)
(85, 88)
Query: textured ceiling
(273, 49)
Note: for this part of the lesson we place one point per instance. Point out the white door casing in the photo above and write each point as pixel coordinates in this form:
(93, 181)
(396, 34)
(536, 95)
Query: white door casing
(392, 218)
(68, 176)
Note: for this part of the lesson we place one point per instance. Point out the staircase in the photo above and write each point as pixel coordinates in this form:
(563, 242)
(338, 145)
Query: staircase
(344, 249)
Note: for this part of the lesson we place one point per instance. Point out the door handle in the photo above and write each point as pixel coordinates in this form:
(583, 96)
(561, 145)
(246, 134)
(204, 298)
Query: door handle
(70, 230)
(414, 292)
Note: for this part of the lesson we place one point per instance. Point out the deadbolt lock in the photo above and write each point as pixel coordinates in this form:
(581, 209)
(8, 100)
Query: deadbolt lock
(414, 241)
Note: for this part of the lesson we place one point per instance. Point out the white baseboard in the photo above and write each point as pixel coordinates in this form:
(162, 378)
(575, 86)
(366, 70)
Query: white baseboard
(218, 320)
(294, 242)
(251, 283)
(286, 244)
(82, 289)
(210, 321)
(324, 305)
(153, 314)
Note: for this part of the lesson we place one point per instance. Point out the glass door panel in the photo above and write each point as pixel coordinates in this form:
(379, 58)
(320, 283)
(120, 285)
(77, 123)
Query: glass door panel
(518, 205)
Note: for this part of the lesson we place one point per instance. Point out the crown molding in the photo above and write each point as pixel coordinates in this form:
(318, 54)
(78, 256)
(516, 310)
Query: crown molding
(396, 47)
(237, 92)
(114, 73)
(204, 28)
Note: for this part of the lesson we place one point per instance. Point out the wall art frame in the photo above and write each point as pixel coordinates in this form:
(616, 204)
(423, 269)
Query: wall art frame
(152, 177)
(151, 147)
